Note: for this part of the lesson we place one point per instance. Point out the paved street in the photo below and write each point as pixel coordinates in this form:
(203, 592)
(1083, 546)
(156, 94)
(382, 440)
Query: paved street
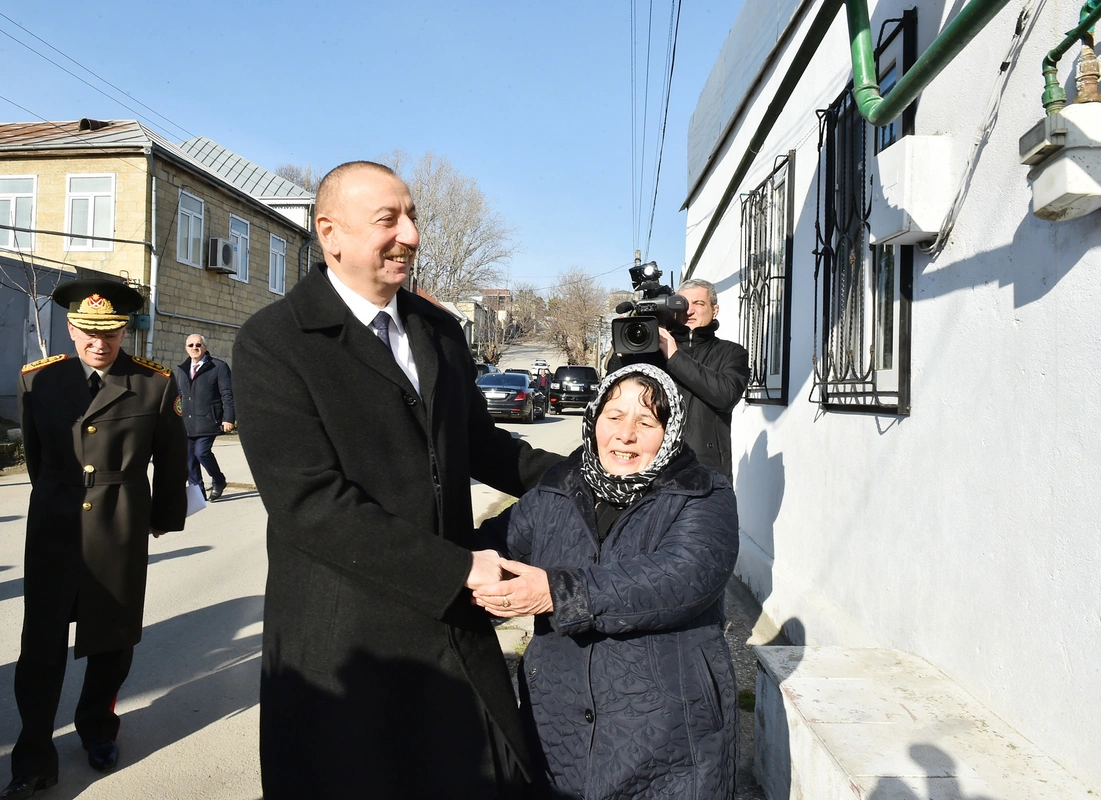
(189, 708)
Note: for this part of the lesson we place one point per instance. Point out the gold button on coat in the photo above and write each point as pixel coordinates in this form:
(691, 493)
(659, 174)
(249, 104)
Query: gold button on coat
(89, 468)
(91, 429)
(87, 506)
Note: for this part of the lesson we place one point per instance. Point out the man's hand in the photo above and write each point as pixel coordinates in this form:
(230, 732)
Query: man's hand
(527, 593)
(227, 427)
(486, 569)
(666, 343)
(156, 533)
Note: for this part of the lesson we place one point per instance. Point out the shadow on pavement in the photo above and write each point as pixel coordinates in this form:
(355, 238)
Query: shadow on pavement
(229, 498)
(11, 589)
(198, 665)
(183, 552)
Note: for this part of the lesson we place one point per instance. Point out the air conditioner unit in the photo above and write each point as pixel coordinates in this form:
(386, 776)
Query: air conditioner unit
(220, 258)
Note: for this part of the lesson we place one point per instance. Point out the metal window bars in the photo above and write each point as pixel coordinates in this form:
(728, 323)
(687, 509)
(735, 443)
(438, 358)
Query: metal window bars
(767, 225)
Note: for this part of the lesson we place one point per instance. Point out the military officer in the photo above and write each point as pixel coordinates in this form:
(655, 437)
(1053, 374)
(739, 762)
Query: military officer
(91, 425)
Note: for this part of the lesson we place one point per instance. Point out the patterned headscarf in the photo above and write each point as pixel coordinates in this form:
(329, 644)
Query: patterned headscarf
(622, 490)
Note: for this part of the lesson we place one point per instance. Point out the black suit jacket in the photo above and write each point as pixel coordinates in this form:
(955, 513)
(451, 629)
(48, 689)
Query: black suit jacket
(377, 667)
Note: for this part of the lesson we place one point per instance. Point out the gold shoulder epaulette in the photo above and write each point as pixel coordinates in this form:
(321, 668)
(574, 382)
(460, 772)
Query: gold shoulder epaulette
(43, 362)
(153, 365)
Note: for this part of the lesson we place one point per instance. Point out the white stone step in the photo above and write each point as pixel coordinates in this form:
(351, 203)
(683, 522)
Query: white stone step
(835, 722)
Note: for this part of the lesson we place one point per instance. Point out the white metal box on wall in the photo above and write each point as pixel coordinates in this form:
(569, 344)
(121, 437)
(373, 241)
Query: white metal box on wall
(913, 185)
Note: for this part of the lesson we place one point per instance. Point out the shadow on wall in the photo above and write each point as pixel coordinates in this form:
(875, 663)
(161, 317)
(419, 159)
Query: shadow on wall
(940, 780)
(759, 485)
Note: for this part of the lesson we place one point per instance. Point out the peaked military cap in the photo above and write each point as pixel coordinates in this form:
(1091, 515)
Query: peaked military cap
(98, 305)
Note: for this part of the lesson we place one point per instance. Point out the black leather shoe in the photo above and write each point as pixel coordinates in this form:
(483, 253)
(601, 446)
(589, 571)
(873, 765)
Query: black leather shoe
(23, 786)
(103, 756)
(216, 491)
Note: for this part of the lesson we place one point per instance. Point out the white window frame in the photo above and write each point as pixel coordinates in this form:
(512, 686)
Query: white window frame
(273, 254)
(92, 245)
(191, 259)
(240, 248)
(14, 197)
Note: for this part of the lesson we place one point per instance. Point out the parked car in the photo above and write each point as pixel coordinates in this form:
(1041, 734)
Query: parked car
(485, 369)
(509, 395)
(519, 371)
(542, 401)
(572, 386)
(538, 364)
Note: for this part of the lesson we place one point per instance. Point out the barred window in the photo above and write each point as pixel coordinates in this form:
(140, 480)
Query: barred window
(765, 282)
(864, 290)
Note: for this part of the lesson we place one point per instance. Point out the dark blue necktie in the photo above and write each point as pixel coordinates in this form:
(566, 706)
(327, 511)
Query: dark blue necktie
(94, 383)
(381, 324)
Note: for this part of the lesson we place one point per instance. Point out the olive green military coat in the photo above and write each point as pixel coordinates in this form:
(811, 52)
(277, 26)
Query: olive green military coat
(91, 505)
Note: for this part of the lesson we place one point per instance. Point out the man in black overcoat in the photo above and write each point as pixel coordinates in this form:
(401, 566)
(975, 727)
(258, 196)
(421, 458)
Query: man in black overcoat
(91, 424)
(206, 402)
(363, 426)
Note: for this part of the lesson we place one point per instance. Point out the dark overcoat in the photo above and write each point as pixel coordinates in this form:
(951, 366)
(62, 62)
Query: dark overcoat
(376, 667)
(91, 507)
(628, 683)
(206, 401)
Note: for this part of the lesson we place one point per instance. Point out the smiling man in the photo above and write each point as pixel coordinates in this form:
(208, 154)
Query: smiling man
(363, 426)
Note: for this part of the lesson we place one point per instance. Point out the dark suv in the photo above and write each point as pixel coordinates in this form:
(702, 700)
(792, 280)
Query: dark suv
(572, 387)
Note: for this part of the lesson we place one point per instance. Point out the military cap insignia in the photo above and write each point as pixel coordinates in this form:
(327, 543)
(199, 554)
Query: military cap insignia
(178, 405)
(43, 362)
(153, 365)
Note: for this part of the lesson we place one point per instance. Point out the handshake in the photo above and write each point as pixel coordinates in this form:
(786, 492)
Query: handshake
(507, 588)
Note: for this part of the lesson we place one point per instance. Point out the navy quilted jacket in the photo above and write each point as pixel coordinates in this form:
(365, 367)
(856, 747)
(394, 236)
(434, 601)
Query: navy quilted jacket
(628, 683)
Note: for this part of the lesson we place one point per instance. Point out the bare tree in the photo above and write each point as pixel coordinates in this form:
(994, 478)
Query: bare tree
(528, 309)
(37, 284)
(464, 242)
(308, 177)
(575, 308)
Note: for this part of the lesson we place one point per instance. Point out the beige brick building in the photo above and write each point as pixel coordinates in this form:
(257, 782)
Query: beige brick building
(208, 237)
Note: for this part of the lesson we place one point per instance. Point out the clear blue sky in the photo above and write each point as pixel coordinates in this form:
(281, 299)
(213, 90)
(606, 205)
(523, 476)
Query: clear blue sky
(533, 100)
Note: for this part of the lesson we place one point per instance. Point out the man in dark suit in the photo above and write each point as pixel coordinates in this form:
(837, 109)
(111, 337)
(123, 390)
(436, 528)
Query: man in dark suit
(91, 425)
(363, 426)
(206, 400)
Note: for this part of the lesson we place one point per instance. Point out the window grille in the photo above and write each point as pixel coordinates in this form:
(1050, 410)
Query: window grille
(863, 291)
(765, 282)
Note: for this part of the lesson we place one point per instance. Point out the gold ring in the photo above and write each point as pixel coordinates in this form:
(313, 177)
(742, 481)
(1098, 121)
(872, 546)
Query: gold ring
(505, 602)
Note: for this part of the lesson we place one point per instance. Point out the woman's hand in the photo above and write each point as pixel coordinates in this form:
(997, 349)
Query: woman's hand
(527, 593)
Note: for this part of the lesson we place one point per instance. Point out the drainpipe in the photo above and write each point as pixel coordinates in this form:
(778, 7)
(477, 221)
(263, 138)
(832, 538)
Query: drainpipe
(1055, 97)
(880, 110)
(154, 260)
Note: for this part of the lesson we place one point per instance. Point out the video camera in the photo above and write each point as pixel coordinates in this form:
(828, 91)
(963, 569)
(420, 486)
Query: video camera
(656, 306)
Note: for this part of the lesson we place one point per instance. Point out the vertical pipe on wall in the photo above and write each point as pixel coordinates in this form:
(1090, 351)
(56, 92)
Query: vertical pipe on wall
(154, 260)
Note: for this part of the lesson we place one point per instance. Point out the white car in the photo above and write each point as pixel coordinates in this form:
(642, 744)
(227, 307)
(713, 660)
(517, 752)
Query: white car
(538, 364)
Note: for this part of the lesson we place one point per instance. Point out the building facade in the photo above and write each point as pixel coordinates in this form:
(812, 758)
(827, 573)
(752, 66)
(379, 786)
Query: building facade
(919, 453)
(183, 224)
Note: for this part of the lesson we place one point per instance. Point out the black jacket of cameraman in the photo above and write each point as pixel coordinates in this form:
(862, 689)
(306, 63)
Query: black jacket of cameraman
(712, 374)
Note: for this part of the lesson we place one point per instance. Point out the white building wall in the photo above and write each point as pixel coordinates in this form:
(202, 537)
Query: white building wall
(967, 532)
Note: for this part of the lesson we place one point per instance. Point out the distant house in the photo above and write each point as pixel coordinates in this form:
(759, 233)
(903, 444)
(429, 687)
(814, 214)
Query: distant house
(207, 236)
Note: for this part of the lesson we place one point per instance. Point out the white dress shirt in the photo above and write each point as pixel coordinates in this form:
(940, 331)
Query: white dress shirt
(365, 311)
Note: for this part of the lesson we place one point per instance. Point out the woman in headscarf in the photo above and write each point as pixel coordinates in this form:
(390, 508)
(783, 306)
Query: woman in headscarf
(623, 552)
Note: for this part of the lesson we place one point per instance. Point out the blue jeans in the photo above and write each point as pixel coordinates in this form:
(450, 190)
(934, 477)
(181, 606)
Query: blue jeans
(199, 453)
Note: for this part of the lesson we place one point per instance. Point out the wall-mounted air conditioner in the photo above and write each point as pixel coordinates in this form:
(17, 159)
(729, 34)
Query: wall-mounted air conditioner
(220, 258)
(913, 185)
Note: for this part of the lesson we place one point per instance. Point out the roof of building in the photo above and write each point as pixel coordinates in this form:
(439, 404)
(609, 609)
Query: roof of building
(242, 173)
(114, 135)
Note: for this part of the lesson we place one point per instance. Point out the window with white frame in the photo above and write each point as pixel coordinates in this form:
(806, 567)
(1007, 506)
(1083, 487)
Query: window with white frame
(90, 212)
(765, 282)
(238, 237)
(189, 230)
(862, 317)
(17, 193)
(277, 267)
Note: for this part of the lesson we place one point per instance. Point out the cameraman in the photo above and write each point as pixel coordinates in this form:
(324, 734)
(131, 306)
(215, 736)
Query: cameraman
(711, 372)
